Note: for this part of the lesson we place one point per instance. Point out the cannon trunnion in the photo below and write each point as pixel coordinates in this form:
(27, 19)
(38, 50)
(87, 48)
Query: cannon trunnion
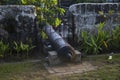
(63, 49)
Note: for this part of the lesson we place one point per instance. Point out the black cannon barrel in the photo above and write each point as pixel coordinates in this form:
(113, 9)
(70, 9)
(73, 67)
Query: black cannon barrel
(63, 49)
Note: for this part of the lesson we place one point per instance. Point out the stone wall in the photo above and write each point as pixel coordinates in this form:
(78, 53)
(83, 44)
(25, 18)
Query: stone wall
(89, 15)
(18, 22)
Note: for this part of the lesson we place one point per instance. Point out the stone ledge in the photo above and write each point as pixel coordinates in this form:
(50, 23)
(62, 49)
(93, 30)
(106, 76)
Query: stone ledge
(70, 68)
(53, 58)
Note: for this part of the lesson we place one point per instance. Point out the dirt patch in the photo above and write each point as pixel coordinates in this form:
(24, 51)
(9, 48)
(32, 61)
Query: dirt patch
(70, 68)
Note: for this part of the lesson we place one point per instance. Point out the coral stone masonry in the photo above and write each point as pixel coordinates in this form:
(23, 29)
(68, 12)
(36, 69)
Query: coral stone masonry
(18, 22)
(89, 15)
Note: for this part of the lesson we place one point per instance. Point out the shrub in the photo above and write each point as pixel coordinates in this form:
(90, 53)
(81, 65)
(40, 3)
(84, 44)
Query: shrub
(47, 10)
(115, 39)
(102, 41)
(93, 44)
(4, 48)
(22, 49)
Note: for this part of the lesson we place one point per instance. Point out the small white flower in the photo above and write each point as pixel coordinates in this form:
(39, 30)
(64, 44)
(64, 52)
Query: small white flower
(110, 57)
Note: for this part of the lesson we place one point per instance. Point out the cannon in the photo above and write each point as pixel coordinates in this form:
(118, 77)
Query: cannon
(63, 49)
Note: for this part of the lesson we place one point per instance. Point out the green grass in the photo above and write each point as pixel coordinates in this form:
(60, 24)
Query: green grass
(11, 71)
(105, 73)
(108, 70)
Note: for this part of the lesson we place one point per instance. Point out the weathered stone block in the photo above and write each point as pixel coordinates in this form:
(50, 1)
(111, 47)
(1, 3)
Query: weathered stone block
(78, 56)
(19, 21)
(105, 8)
(97, 8)
(53, 58)
(83, 8)
(90, 8)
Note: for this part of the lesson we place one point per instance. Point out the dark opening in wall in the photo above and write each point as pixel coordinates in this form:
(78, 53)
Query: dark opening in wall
(9, 25)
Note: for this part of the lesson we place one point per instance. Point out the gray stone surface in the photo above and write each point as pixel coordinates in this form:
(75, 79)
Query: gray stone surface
(3, 34)
(78, 56)
(19, 22)
(70, 68)
(53, 58)
(89, 15)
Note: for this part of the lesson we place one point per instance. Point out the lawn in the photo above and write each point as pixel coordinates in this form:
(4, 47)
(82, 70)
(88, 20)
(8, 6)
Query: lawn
(27, 70)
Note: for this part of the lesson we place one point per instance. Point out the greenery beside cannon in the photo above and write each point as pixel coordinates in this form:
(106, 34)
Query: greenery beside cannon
(26, 27)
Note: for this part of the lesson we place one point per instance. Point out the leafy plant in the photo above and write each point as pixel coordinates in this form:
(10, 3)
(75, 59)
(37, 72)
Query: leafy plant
(4, 48)
(90, 44)
(17, 48)
(22, 48)
(47, 10)
(115, 42)
(94, 43)
(44, 36)
(26, 48)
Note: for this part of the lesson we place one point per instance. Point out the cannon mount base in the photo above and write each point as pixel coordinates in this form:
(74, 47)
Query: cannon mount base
(53, 58)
